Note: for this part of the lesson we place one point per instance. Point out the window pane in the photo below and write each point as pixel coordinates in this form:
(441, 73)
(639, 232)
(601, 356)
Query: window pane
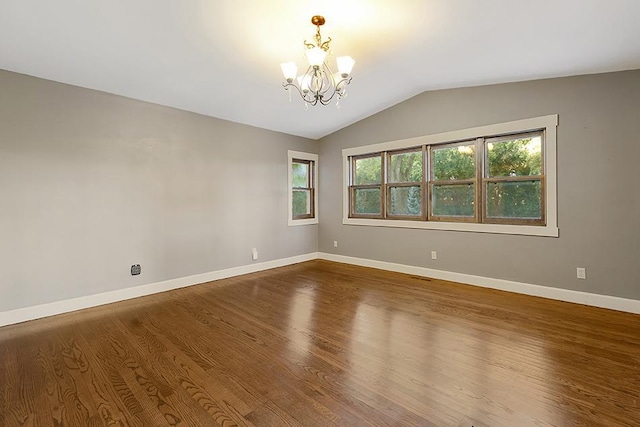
(515, 157)
(367, 201)
(454, 163)
(520, 199)
(453, 200)
(369, 171)
(300, 174)
(405, 167)
(405, 201)
(301, 201)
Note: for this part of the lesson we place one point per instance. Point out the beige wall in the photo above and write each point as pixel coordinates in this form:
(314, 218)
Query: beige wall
(598, 184)
(91, 183)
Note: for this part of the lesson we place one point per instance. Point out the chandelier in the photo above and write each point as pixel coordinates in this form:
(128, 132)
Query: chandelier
(318, 85)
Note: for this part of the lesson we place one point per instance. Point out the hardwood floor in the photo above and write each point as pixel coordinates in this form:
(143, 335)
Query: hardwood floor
(323, 343)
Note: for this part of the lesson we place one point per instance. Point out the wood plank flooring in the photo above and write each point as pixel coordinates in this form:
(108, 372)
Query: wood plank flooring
(322, 343)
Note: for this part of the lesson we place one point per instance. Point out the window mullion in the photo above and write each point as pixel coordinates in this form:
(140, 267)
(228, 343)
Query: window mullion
(480, 171)
(428, 179)
(423, 185)
(383, 184)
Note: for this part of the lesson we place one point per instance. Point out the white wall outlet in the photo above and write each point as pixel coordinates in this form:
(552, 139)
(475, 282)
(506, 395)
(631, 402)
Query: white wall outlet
(581, 273)
(335, 243)
(254, 254)
(434, 255)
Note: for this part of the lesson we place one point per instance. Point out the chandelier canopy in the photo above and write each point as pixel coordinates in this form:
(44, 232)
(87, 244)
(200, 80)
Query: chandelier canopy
(318, 85)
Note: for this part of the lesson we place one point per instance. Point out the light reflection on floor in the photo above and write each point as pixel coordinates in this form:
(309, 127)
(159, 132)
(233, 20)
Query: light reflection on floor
(301, 314)
(390, 347)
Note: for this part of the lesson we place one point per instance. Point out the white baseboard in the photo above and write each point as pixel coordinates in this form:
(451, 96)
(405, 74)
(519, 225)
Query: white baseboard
(595, 300)
(59, 307)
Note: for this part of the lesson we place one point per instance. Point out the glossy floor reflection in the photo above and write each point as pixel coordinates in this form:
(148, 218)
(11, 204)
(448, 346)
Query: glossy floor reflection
(322, 343)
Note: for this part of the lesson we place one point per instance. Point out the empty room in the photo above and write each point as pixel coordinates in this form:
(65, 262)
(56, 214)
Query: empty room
(320, 213)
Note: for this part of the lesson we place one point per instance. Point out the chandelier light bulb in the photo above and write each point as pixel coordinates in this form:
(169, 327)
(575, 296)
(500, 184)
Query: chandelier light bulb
(315, 56)
(345, 65)
(289, 70)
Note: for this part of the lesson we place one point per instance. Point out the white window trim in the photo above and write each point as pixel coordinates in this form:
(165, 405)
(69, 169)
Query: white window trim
(547, 123)
(301, 156)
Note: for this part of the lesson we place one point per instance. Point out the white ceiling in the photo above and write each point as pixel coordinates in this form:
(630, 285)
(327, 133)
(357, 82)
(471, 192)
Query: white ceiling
(221, 57)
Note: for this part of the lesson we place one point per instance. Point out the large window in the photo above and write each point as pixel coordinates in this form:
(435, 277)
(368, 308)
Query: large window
(303, 195)
(498, 178)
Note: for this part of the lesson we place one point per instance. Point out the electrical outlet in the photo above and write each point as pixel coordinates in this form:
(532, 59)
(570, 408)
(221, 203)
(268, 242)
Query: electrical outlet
(254, 254)
(581, 273)
(335, 243)
(136, 269)
(434, 255)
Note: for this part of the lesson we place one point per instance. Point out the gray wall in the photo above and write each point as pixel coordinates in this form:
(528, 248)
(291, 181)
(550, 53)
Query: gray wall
(598, 184)
(91, 183)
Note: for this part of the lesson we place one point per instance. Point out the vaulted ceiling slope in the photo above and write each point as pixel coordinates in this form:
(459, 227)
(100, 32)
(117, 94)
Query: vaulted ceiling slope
(221, 58)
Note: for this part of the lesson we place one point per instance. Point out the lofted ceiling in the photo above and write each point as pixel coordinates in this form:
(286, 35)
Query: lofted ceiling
(221, 57)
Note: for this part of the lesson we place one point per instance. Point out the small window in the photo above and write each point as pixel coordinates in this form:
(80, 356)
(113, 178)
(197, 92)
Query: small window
(303, 197)
(302, 188)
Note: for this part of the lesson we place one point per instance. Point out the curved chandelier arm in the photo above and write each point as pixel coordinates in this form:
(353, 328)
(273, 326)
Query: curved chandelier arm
(314, 98)
(340, 89)
(324, 45)
(303, 94)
